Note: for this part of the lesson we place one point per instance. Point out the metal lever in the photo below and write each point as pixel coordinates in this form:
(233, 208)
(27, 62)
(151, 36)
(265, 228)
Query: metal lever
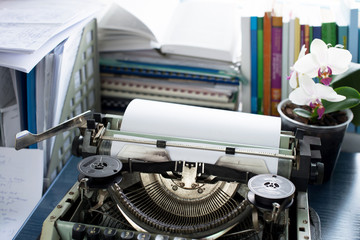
(25, 138)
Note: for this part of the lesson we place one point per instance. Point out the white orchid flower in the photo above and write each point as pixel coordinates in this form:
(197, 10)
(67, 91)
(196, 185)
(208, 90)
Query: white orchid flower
(323, 61)
(293, 78)
(311, 93)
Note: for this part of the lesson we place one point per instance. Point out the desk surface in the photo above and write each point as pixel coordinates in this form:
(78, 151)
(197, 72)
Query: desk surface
(336, 202)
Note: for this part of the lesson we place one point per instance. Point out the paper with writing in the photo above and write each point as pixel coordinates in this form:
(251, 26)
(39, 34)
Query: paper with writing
(21, 178)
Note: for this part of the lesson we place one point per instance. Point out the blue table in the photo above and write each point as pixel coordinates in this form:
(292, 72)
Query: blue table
(337, 202)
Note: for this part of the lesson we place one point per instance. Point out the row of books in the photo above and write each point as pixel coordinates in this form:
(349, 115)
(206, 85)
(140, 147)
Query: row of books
(272, 41)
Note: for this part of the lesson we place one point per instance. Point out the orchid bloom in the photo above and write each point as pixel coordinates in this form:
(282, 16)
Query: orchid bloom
(294, 75)
(311, 93)
(323, 61)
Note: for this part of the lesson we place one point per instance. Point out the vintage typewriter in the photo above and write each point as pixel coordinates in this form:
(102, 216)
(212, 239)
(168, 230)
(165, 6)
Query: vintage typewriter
(137, 186)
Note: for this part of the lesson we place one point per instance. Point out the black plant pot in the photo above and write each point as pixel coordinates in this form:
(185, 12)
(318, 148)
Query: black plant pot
(331, 137)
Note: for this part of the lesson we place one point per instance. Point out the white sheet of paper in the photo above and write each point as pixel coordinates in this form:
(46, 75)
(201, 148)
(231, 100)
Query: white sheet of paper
(182, 121)
(169, 119)
(20, 189)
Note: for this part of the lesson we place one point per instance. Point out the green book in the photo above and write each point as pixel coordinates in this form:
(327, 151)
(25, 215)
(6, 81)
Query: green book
(311, 36)
(328, 33)
(260, 41)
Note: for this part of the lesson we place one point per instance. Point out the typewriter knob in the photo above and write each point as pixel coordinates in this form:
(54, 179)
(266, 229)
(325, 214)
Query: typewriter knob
(317, 173)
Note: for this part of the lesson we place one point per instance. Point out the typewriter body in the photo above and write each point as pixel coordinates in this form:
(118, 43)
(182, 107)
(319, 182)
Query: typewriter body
(134, 186)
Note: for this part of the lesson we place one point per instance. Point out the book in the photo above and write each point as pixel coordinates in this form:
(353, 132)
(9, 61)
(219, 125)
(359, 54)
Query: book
(191, 28)
(297, 46)
(285, 58)
(267, 63)
(246, 64)
(260, 62)
(276, 68)
(254, 64)
(353, 34)
(168, 71)
(316, 32)
(31, 102)
(157, 87)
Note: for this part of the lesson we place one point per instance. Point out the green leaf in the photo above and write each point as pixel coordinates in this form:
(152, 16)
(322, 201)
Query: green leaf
(302, 112)
(350, 78)
(352, 100)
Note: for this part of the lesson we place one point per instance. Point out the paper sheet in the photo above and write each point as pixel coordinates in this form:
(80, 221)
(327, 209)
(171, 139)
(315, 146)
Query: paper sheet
(181, 121)
(20, 189)
(168, 119)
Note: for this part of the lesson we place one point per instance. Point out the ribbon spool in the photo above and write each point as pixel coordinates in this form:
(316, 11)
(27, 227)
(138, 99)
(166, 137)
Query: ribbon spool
(100, 170)
(266, 189)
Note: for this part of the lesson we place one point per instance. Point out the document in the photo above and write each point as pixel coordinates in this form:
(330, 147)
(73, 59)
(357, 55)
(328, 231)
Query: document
(253, 132)
(20, 189)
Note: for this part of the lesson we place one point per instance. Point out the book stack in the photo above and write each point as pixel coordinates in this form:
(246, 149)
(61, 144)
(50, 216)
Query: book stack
(273, 40)
(187, 54)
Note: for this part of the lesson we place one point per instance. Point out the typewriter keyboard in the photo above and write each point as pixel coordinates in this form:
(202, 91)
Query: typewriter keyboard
(81, 231)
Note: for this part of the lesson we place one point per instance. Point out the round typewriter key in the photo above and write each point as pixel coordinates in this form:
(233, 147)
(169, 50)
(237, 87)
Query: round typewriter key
(143, 236)
(93, 233)
(127, 235)
(161, 237)
(78, 231)
(110, 234)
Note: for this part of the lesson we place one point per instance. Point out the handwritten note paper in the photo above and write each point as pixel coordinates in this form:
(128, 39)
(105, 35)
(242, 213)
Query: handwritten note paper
(21, 178)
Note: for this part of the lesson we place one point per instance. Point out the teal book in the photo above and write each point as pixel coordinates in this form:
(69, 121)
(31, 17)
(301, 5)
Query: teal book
(343, 36)
(31, 102)
(254, 63)
(260, 51)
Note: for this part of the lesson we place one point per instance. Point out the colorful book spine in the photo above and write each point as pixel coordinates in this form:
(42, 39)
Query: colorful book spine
(267, 63)
(317, 32)
(307, 37)
(276, 65)
(285, 60)
(245, 104)
(302, 35)
(342, 37)
(31, 102)
(353, 34)
(297, 39)
(328, 33)
(260, 43)
(254, 63)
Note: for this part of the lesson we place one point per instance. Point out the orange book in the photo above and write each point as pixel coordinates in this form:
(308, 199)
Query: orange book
(307, 38)
(267, 63)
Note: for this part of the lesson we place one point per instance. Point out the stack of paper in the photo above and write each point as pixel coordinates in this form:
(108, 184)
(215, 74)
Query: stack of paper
(31, 29)
(160, 53)
(38, 45)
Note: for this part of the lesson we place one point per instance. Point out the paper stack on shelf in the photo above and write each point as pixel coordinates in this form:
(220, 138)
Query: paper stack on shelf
(38, 47)
(189, 53)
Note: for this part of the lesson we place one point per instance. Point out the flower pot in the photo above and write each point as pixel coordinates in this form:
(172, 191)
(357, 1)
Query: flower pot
(331, 137)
